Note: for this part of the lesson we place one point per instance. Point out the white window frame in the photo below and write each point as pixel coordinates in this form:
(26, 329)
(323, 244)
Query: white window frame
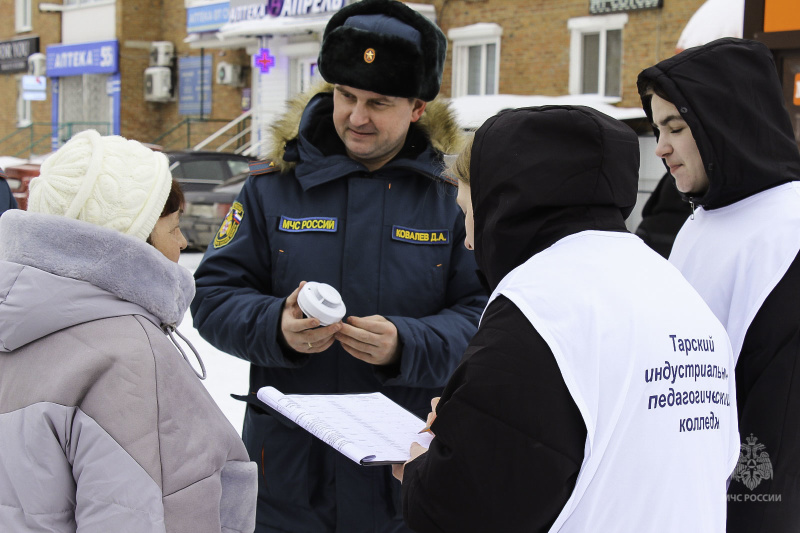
(594, 24)
(23, 113)
(481, 34)
(301, 55)
(23, 15)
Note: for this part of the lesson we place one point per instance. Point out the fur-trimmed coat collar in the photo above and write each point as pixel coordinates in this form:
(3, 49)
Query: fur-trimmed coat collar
(437, 123)
(57, 272)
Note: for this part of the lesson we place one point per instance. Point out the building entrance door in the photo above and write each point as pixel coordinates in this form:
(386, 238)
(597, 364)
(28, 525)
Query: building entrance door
(85, 104)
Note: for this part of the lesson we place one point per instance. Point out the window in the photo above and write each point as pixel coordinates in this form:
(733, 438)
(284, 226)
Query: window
(595, 57)
(23, 107)
(476, 59)
(22, 16)
(303, 72)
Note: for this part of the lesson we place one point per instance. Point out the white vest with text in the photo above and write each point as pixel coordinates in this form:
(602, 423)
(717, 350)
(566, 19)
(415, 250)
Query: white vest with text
(651, 370)
(735, 255)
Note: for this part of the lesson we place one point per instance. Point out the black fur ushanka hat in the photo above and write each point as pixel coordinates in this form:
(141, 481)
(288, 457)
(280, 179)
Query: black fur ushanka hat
(385, 47)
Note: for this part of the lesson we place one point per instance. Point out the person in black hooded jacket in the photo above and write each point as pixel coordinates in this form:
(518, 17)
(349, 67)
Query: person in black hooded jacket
(724, 133)
(574, 408)
(662, 216)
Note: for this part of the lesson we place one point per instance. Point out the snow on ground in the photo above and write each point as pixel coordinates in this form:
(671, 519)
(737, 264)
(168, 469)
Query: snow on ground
(226, 374)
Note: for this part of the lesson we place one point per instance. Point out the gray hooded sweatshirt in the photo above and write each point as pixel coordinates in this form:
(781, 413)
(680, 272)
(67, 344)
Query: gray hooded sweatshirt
(103, 425)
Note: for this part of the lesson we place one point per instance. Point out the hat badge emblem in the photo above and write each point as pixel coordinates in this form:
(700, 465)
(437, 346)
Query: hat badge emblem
(369, 55)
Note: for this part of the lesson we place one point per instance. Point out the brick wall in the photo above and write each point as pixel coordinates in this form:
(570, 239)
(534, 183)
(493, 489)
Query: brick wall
(535, 43)
(47, 26)
(165, 20)
(534, 53)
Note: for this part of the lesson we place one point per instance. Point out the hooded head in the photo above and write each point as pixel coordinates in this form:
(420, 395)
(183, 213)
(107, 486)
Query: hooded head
(539, 174)
(729, 94)
(383, 46)
(107, 181)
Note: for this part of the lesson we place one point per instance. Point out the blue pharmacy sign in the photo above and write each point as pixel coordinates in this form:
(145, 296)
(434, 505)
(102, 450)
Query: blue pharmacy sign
(194, 97)
(206, 18)
(100, 57)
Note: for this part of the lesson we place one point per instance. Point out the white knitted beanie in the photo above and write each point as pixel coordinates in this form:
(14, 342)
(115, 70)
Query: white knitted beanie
(108, 181)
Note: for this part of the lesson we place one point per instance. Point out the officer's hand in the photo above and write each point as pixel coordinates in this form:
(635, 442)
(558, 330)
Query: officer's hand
(304, 334)
(373, 339)
(399, 470)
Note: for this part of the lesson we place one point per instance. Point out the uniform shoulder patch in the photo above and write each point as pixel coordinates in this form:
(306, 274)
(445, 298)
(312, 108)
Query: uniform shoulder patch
(448, 178)
(229, 226)
(258, 168)
(3, 174)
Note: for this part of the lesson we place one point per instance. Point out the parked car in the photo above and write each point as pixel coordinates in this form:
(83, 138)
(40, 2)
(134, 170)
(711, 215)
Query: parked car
(18, 178)
(205, 210)
(202, 171)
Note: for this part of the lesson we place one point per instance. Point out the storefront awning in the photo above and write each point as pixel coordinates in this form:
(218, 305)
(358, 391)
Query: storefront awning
(713, 20)
(212, 40)
(273, 26)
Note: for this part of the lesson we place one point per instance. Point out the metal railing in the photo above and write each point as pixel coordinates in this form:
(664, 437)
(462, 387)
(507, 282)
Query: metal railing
(190, 132)
(239, 123)
(36, 137)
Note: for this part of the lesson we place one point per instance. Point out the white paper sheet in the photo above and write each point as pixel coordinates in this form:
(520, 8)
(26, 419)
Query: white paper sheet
(367, 428)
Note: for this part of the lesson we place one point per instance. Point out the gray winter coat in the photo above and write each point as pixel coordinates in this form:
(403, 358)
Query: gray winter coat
(103, 425)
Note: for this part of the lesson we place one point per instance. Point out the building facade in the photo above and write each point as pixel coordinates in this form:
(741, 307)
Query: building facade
(776, 23)
(174, 71)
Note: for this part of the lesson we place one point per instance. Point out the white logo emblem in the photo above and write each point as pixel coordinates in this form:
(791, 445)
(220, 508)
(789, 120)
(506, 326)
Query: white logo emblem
(754, 465)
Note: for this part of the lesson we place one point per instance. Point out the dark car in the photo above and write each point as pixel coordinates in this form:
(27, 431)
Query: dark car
(205, 210)
(202, 171)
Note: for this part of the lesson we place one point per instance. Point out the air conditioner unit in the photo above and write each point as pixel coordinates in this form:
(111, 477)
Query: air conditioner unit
(158, 84)
(37, 64)
(161, 53)
(228, 74)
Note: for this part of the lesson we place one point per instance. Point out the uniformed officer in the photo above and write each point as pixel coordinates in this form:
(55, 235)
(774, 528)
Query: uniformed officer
(353, 196)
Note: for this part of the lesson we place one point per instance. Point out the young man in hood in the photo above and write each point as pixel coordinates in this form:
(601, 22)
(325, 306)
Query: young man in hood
(724, 134)
(353, 197)
(580, 404)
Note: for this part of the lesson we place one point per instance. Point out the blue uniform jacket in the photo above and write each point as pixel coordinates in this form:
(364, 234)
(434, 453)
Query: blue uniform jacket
(391, 242)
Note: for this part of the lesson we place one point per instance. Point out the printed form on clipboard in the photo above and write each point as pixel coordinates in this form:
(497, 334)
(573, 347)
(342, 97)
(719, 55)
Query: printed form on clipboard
(369, 428)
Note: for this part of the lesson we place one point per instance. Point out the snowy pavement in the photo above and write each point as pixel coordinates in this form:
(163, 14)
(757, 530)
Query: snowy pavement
(226, 374)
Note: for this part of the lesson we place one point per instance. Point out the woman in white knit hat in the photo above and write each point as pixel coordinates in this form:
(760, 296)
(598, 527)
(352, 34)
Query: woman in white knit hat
(104, 426)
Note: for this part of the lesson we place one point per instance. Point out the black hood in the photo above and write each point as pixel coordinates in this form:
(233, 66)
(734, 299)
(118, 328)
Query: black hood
(729, 94)
(539, 174)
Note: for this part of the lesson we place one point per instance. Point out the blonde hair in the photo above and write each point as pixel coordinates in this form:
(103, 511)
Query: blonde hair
(458, 166)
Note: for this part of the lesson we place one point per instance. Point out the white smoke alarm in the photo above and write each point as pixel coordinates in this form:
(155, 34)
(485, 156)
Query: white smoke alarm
(321, 301)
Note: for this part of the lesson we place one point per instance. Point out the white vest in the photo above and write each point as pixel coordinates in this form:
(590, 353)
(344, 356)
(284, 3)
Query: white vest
(735, 255)
(651, 371)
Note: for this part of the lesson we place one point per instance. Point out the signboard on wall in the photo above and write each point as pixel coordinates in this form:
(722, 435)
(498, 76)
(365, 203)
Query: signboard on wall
(99, 57)
(194, 98)
(600, 7)
(206, 18)
(253, 10)
(781, 15)
(14, 54)
(34, 88)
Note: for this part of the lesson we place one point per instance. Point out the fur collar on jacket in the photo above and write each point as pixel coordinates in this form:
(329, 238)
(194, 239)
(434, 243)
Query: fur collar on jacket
(124, 266)
(437, 122)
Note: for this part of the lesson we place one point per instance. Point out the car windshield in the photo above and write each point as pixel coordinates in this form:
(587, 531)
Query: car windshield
(238, 166)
